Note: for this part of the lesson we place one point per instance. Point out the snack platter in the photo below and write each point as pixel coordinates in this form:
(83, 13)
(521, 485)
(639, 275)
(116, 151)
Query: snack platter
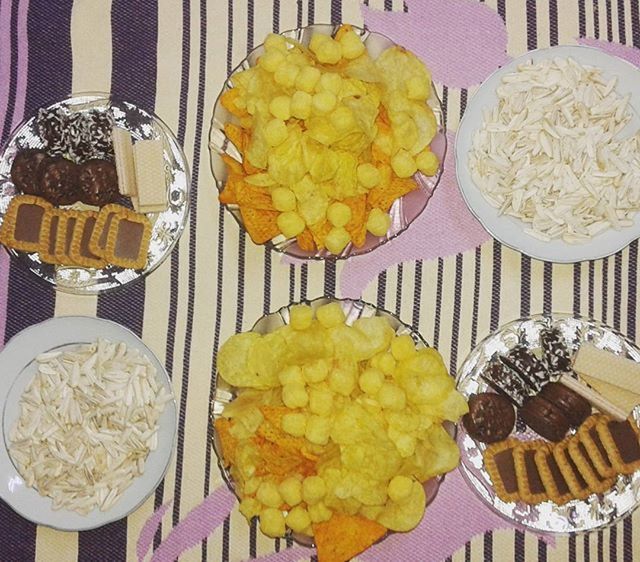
(166, 226)
(598, 510)
(404, 209)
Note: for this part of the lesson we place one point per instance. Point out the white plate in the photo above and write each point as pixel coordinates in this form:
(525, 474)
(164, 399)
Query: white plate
(18, 368)
(509, 230)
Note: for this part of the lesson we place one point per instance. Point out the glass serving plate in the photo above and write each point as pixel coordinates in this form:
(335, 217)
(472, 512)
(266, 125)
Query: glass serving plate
(353, 309)
(598, 510)
(167, 226)
(403, 211)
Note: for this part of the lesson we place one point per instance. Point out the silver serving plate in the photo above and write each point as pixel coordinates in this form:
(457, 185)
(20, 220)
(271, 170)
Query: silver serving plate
(598, 510)
(167, 226)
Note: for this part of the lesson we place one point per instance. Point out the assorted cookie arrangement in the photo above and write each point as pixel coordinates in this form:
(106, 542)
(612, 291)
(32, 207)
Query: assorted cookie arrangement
(115, 235)
(578, 453)
(76, 192)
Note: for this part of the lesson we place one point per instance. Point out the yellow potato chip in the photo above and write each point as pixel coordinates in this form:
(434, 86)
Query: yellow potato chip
(344, 536)
(383, 195)
(228, 101)
(261, 225)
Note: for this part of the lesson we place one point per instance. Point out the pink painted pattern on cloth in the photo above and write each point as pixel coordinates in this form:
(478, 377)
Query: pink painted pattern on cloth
(630, 54)
(199, 523)
(149, 530)
(445, 227)
(461, 41)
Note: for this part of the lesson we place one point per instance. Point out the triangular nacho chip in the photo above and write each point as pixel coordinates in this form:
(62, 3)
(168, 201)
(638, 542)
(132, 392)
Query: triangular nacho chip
(344, 536)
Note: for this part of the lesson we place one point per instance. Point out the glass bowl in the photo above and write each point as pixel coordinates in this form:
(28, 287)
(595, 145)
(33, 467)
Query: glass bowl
(353, 309)
(167, 225)
(403, 211)
(598, 510)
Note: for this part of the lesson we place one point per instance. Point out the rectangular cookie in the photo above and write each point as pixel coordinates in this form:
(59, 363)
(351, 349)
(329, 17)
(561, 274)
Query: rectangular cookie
(22, 223)
(128, 240)
(98, 240)
(589, 437)
(500, 464)
(530, 484)
(64, 236)
(622, 443)
(80, 252)
(123, 152)
(554, 483)
(571, 473)
(49, 234)
(582, 460)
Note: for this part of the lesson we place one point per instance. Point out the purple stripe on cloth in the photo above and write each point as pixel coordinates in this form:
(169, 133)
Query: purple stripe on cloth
(5, 57)
(4, 285)
(23, 64)
(13, 74)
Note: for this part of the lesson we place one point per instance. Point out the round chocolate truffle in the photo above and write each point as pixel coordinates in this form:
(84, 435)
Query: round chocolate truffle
(25, 171)
(546, 419)
(59, 181)
(98, 182)
(573, 406)
(491, 417)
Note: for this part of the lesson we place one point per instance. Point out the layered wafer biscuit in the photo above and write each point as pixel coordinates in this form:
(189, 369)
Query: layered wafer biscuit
(577, 484)
(608, 367)
(589, 437)
(22, 223)
(500, 464)
(150, 176)
(530, 484)
(125, 167)
(621, 440)
(554, 482)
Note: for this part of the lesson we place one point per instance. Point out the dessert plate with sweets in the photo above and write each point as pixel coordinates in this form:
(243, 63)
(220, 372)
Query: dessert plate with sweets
(94, 193)
(532, 446)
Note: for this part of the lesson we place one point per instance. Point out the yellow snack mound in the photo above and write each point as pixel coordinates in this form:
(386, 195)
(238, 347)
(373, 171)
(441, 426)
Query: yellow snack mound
(327, 133)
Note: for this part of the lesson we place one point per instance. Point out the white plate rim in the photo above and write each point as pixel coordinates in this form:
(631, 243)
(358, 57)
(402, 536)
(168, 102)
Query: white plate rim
(557, 251)
(24, 348)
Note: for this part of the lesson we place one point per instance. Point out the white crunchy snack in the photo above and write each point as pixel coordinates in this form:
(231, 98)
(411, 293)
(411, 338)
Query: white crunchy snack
(88, 420)
(549, 153)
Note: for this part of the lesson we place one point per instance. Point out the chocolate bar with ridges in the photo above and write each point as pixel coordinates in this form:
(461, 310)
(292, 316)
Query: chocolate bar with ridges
(504, 379)
(527, 365)
(555, 355)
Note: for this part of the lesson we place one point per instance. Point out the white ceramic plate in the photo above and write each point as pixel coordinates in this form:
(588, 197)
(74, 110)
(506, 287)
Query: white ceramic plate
(509, 230)
(18, 368)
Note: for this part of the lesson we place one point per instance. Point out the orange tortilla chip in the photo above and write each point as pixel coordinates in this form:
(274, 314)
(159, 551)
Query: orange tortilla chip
(253, 197)
(344, 536)
(305, 241)
(234, 167)
(357, 225)
(227, 99)
(237, 135)
(228, 442)
(383, 195)
(319, 232)
(229, 194)
(281, 463)
(262, 226)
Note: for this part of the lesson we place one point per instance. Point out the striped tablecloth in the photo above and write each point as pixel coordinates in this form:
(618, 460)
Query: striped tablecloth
(445, 276)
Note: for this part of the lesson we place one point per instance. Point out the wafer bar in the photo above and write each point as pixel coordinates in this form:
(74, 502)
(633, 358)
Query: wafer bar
(125, 167)
(150, 176)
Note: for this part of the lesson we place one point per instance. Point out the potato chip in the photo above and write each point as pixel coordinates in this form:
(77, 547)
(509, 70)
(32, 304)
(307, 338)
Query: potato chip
(233, 357)
(405, 515)
(398, 67)
(229, 101)
(344, 536)
(383, 196)
(261, 225)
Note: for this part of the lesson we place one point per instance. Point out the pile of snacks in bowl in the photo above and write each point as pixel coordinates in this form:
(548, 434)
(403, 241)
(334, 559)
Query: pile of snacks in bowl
(335, 427)
(326, 140)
